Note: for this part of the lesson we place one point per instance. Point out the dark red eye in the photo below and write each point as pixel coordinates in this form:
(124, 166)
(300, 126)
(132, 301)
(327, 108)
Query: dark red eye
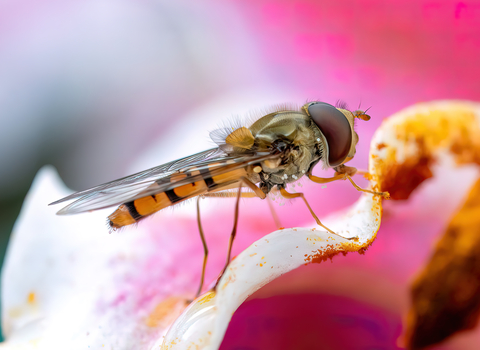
(336, 129)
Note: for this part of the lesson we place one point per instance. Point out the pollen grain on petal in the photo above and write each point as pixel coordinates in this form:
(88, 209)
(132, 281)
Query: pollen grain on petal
(416, 136)
(31, 298)
(166, 312)
(207, 297)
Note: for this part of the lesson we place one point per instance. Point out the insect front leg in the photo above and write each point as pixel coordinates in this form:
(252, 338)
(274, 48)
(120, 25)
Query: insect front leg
(345, 170)
(385, 194)
(348, 172)
(362, 172)
(324, 180)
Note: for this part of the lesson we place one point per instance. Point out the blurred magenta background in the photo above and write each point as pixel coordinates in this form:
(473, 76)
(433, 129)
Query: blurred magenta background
(88, 85)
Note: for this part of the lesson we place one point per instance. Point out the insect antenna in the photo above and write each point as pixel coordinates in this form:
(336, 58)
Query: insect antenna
(362, 114)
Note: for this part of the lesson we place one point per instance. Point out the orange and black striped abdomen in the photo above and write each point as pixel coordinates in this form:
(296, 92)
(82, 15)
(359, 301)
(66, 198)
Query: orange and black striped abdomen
(132, 212)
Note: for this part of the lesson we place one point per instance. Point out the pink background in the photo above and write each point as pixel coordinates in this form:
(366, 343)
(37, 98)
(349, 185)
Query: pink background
(89, 86)
(388, 55)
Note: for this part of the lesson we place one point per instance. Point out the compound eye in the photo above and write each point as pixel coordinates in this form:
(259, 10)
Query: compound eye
(336, 129)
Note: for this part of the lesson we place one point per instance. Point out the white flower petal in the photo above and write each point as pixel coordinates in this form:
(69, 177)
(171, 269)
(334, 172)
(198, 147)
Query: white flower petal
(204, 323)
(65, 280)
(434, 126)
(67, 283)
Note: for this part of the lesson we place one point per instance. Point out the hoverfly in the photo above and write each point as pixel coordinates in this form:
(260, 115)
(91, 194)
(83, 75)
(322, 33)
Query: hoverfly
(277, 149)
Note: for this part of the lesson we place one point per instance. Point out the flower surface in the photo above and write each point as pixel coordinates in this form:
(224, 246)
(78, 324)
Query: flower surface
(68, 283)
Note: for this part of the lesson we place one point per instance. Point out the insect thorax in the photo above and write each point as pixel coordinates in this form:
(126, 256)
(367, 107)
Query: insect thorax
(299, 150)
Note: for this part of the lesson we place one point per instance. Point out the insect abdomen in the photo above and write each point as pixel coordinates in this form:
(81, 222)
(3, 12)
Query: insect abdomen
(132, 212)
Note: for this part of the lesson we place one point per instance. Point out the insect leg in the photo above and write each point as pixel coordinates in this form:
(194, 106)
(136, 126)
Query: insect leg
(386, 195)
(230, 194)
(205, 248)
(274, 213)
(233, 234)
(323, 180)
(224, 194)
(288, 195)
(344, 176)
(254, 188)
(362, 172)
(262, 195)
(242, 181)
(259, 192)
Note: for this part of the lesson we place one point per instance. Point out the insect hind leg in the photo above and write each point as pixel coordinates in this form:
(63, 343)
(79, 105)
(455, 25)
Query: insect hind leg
(385, 195)
(225, 194)
(205, 248)
(243, 181)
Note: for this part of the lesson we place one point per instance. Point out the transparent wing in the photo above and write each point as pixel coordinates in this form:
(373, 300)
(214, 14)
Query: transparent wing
(140, 184)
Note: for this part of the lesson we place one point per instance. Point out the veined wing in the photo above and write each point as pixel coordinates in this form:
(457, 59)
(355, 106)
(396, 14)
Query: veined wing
(213, 162)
